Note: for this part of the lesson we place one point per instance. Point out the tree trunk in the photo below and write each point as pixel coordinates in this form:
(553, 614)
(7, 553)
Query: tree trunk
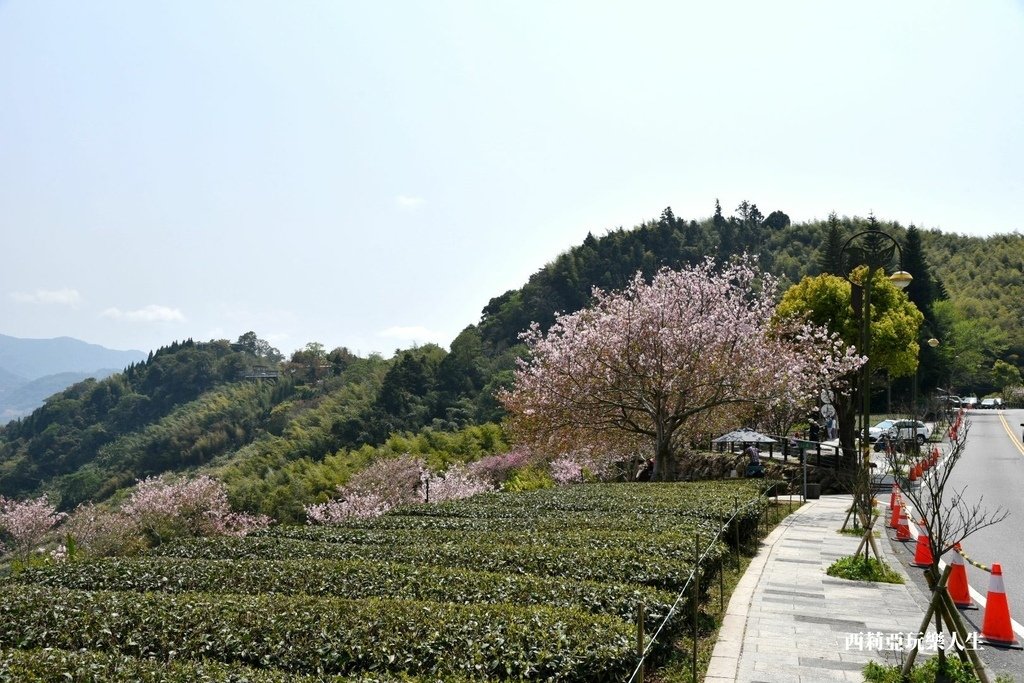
(664, 464)
(846, 415)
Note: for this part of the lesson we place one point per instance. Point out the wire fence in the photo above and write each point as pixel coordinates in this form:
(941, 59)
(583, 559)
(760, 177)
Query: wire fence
(692, 579)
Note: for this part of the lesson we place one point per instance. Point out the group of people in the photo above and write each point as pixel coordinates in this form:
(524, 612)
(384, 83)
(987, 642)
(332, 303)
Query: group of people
(826, 432)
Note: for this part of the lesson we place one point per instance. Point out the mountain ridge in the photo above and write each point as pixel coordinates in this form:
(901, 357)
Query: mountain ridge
(284, 443)
(31, 370)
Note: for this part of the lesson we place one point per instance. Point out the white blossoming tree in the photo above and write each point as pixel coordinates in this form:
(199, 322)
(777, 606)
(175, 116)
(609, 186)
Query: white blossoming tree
(663, 362)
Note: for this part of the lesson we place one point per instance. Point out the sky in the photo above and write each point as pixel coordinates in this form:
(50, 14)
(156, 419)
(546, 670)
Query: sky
(369, 175)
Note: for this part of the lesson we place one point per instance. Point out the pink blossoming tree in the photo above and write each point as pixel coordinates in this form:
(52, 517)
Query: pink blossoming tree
(25, 523)
(663, 363)
(402, 480)
(164, 509)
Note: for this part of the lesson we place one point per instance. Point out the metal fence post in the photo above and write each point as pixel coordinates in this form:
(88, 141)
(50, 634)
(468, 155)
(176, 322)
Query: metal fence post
(696, 601)
(736, 530)
(721, 584)
(640, 616)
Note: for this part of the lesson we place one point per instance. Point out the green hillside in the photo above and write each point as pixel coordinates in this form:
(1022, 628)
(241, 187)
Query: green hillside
(283, 433)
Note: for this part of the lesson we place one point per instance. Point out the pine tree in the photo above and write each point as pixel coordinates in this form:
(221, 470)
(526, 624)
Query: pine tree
(830, 257)
(726, 234)
(922, 290)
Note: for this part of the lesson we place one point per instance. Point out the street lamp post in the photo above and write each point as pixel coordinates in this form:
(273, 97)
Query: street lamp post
(874, 249)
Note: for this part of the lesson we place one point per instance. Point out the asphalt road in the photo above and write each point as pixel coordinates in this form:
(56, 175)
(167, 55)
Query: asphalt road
(992, 472)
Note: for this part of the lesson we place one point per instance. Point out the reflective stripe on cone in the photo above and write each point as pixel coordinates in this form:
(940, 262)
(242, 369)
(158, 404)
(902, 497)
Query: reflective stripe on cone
(903, 530)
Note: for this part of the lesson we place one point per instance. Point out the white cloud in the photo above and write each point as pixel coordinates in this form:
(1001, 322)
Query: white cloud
(148, 314)
(413, 333)
(407, 202)
(63, 297)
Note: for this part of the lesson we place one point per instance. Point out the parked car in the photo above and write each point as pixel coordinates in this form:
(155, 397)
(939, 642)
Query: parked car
(901, 430)
(879, 429)
(991, 403)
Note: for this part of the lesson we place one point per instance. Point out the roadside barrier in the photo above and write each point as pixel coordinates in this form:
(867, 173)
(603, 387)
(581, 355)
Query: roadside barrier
(972, 562)
(903, 529)
(959, 589)
(897, 507)
(996, 629)
(997, 625)
(923, 552)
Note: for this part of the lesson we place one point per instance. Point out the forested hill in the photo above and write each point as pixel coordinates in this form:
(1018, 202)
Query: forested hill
(282, 433)
(981, 323)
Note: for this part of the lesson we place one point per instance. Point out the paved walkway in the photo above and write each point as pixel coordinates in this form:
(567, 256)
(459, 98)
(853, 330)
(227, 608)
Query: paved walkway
(789, 621)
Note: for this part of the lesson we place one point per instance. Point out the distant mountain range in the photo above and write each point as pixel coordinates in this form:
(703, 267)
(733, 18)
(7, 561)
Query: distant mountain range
(31, 370)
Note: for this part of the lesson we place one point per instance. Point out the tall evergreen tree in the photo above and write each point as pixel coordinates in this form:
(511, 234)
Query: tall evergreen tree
(922, 290)
(726, 233)
(830, 257)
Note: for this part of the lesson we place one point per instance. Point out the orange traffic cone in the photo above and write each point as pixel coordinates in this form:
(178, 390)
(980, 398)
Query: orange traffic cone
(996, 629)
(923, 552)
(957, 585)
(894, 496)
(903, 528)
(894, 521)
(912, 475)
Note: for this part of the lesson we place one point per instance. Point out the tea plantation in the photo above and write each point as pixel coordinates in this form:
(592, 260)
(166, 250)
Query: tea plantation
(542, 585)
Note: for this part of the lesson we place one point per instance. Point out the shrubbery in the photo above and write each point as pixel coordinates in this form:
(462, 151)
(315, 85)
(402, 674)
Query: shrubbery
(309, 635)
(157, 510)
(540, 585)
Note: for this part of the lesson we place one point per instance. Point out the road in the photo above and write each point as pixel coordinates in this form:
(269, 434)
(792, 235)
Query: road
(992, 471)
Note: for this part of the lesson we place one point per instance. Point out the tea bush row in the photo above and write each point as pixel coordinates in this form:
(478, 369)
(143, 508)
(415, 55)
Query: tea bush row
(356, 579)
(308, 635)
(620, 565)
(669, 544)
(88, 666)
(716, 500)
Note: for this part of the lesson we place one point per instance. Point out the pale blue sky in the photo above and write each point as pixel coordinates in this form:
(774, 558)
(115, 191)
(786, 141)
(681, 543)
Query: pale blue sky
(370, 174)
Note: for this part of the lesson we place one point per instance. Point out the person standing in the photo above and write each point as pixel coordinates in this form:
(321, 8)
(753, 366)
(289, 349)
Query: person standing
(754, 468)
(815, 430)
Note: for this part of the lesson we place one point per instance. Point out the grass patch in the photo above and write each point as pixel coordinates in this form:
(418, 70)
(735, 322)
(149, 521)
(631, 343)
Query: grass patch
(712, 611)
(956, 672)
(855, 532)
(856, 568)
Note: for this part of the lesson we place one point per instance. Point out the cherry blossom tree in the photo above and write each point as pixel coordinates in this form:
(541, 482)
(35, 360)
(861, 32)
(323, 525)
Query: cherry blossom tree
(664, 362)
(390, 482)
(101, 532)
(164, 509)
(26, 522)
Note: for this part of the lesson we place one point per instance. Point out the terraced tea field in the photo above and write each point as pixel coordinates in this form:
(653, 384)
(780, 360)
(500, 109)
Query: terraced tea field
(541, 586)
